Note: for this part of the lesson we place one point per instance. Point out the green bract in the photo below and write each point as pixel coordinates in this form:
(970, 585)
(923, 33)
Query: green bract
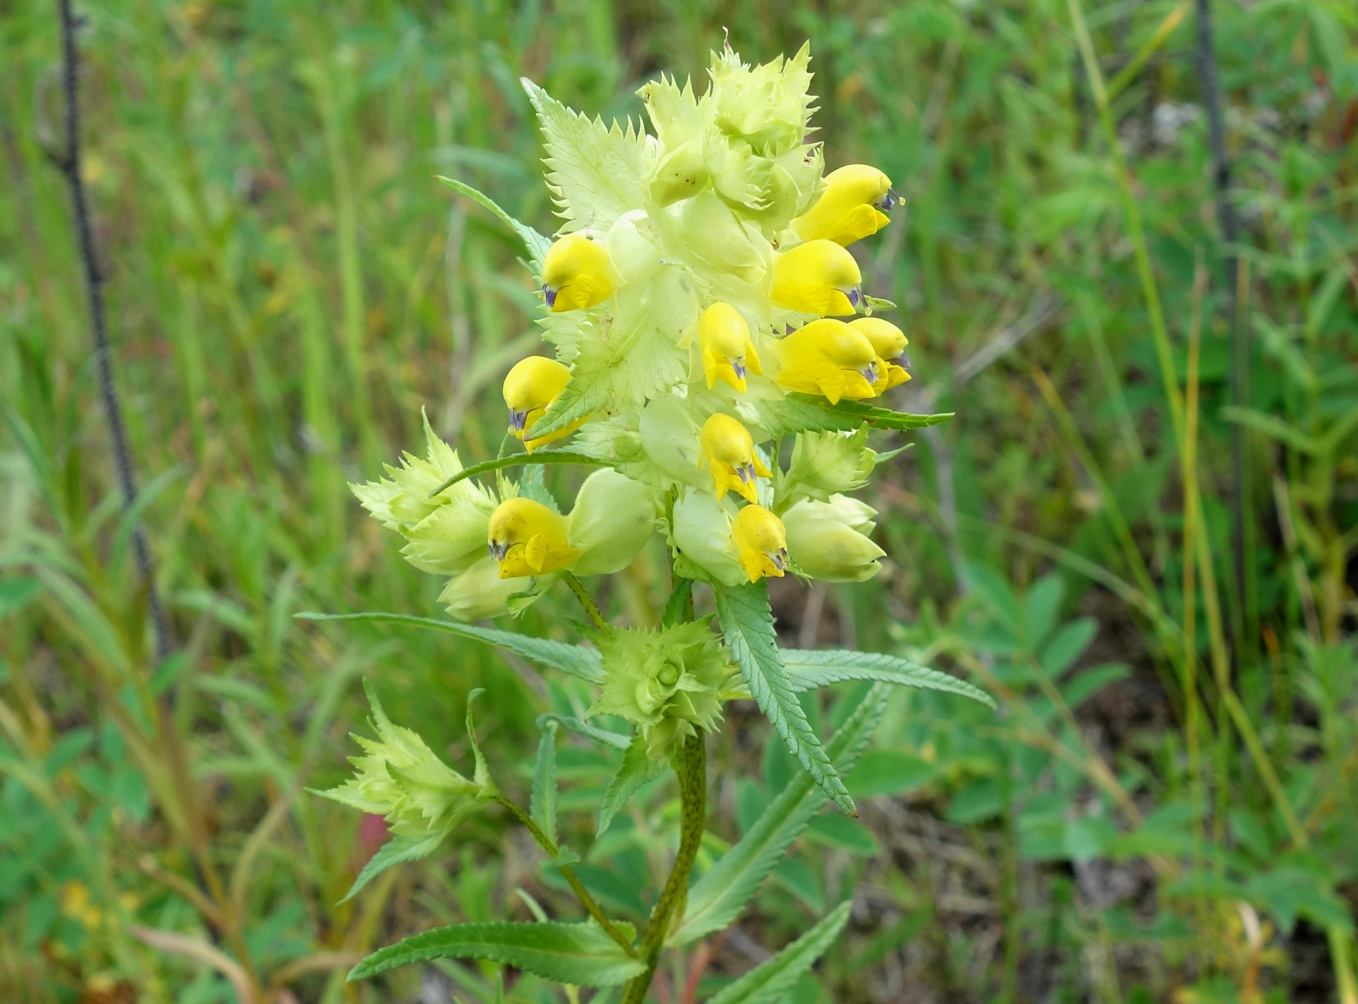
(668, 683)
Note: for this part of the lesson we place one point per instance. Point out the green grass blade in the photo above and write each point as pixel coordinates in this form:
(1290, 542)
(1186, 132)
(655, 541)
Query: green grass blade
(536, 244)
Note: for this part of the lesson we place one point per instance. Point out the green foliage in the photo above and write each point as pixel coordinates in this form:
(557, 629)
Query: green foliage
(770, 980)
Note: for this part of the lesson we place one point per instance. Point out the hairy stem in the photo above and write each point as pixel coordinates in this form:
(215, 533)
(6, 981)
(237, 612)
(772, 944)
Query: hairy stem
(586, 900)
(586, 601)
(690, 765)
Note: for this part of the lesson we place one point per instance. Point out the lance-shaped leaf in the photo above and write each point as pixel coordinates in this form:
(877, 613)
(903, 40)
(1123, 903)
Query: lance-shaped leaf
(636, 770)
(542, 806)
(535, 243)
(596, 172)
(579, 954)
(395, 851)
(541, 458)
(768, 982)
(807, 670)
(747, 625)
(717, 898)
(575, 660)
(803, 413)
(572, 724)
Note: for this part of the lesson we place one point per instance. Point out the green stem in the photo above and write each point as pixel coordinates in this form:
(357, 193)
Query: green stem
(586, 900)
(690, 765)
(591, 608)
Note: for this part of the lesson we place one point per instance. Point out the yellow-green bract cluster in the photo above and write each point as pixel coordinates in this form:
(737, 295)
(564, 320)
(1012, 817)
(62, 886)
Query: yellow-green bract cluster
(699, 278)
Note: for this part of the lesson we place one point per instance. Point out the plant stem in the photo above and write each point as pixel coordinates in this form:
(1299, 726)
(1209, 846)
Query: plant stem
(586, 900)
(690, 765)
(591, 608)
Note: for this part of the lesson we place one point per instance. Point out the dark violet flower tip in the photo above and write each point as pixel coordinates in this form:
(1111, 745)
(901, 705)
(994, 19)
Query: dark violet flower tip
(855, 296)
(738, 368)
(889, 201)
(870, 373)
(517, 419)
(549, 294)
(779, 559)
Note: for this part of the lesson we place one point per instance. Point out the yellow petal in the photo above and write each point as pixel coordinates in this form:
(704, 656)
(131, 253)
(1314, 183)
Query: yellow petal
(576, 273)
(818, 277)
(848, 209)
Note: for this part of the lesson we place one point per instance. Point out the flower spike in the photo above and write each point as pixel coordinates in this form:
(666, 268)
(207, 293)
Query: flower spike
(854, 205)
(728, 449)
(829, 358)
(761, 542)
(818, 277)
(728, 354)
(576, 273)
(889, 342)
(527, 538)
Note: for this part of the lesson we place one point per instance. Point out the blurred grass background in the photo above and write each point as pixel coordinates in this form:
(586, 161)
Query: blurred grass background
(1164, 809)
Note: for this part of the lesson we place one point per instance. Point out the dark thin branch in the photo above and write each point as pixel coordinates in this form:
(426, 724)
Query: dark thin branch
(1239, 345)
(70, 164)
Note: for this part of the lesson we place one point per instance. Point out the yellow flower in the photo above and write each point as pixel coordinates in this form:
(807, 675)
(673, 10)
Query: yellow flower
(576, 274)
(728, 449)
(818, 277)
(761, 542)
(854, 205)
(527, 538)
(530, 388)
(724, 338)
(889, 342)
(828, 357)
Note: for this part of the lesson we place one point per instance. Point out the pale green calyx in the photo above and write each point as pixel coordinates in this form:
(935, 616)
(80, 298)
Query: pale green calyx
(399, 778)
(829, 540)
(613, 518)
(401, 500)
(668, 683)
(828, 462)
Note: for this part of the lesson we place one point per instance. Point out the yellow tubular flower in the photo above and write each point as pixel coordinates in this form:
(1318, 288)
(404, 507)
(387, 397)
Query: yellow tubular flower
(761, 542)
(728, 449)
(529, 390)
(889, 342)
(854, 205)
(818, 277)
(830, 358)
(724, 338)
(527, 538)
(576, 274)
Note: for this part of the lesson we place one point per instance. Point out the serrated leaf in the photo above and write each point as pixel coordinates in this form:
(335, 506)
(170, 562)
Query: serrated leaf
(579, 954)
(596, 172)
(808, 669)
(637, 769)
(717, 898)
(571, 724)
(395, 851)
(534, 242)
(768, 982)
(542, 805)
(804, 413)
(747, 625)
(576, 660)
(541, 457)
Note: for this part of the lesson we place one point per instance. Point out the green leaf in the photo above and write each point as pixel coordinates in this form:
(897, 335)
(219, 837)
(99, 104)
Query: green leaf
(615, 739)
(808, 669)
(1274, 428)
(395, 851)
(803, 413)
(747, 624)
(1067, 645)
(717, 898)
(596, 173)
(15, 594)
(542, 806)
(575, 660)
(846, 834)
(769, 981)
(518, 460)
(890, 772)
(536, 244)
(579, 954)
(637, 769)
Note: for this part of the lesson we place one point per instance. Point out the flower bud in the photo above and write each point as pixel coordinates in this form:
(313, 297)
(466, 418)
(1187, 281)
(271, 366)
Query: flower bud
(825, 544)
(853, 205)
(611, 522)
(889, 342)
(630, 249)
(766, 106)
(453, 537)
(818, 277)
(830, 358)
(724, 338)
(669, 438)
(527, 539)
(761, 542)
(576, 274)
(728, 451)
(679, 174)
(400, 779)
(481, 591)
(824, 462)
(707, 228)
(668, 683)
(402, 500)
(700, 529)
